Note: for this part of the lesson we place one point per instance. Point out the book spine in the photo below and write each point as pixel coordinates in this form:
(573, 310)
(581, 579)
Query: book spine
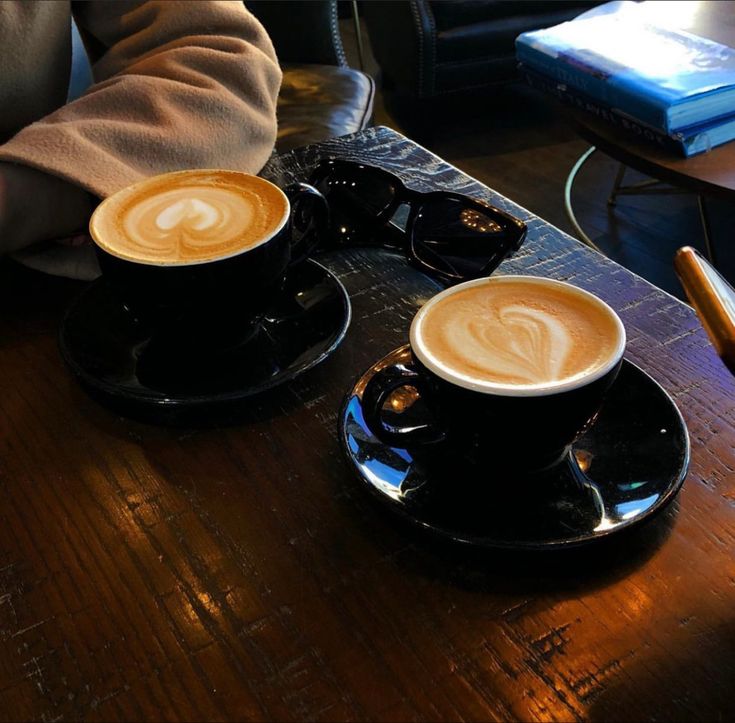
(604, 89)
(570, 96)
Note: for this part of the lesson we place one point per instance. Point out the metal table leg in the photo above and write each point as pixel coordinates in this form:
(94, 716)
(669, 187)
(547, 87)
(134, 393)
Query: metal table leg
(647, 187)
(568, 200)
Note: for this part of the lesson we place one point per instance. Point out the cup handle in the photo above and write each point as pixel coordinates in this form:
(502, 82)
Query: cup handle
(381, 385)
(309, 219)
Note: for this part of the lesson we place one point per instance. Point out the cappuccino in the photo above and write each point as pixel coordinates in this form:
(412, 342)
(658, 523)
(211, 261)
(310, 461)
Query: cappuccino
(189, 217)
(516, 335)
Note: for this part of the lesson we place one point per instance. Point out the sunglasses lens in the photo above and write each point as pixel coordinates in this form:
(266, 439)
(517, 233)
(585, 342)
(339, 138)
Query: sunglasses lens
(462, 240)
(358, 196)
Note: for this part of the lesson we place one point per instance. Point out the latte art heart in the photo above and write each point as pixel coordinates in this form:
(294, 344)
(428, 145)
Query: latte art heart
(188, 222)
(190, 212)
(190, 216)
(517, 333)
(528, 344)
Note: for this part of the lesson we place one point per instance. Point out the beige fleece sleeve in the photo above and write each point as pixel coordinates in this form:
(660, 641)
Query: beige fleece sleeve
(177, 85)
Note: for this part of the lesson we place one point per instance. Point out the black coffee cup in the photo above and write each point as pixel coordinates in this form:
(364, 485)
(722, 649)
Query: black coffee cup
(519, 427)
(219, 301)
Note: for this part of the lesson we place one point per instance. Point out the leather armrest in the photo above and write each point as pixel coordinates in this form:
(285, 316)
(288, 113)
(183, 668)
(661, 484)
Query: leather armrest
(322, 101)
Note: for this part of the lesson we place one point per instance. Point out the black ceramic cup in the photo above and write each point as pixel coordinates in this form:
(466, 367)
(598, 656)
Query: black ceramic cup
(519, 427)
(200, 305)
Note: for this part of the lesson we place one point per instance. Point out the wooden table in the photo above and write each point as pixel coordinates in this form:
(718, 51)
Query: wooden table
(239, 573)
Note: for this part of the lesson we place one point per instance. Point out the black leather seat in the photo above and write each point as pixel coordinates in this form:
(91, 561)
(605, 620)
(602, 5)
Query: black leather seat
(429, 48)
(321, 97)
(322, 101)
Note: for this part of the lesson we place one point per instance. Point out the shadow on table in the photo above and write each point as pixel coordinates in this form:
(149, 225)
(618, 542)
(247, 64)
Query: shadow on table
(596, 564)
(692, 681)
(31, 302)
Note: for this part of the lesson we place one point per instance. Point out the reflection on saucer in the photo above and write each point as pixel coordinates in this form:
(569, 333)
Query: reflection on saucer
(627, 466)
(137, 372)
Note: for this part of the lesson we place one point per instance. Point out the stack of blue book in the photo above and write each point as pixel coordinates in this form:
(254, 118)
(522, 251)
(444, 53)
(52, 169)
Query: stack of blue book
(665, 85)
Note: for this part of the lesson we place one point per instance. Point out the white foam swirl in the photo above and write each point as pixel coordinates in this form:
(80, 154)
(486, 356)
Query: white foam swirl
(519, 342)
(192, 212)
(188, 222)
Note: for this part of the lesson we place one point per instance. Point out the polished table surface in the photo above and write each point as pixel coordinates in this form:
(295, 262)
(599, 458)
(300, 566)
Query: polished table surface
(240, 573)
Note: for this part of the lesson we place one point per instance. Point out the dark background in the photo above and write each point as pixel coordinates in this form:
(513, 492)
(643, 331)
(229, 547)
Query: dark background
(515, 141)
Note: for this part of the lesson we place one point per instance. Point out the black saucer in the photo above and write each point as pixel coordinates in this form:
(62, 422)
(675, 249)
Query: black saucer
(105, 347)
(628, 465)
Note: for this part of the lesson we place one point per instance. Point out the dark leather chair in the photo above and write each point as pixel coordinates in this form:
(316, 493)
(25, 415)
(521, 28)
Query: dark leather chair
(321, 97)
(429, 48)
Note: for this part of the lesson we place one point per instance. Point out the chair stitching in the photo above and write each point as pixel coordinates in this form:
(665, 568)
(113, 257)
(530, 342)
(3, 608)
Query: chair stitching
(336, 36)
(416, 13)
(432, 38)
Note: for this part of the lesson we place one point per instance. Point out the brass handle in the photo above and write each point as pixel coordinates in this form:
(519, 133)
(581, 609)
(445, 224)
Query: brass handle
(712, 298)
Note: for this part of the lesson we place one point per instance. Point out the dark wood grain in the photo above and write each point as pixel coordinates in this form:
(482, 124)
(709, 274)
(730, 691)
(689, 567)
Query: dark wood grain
(238, 573)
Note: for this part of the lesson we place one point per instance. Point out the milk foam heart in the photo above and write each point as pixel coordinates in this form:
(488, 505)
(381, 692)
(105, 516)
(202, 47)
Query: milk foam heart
(518, 332)
(189, 222)
(517, 342)
(189, 217)
(193, 212)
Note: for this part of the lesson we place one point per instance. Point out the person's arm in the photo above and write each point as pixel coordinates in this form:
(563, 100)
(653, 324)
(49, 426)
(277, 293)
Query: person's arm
(36, 206)
(177, 85)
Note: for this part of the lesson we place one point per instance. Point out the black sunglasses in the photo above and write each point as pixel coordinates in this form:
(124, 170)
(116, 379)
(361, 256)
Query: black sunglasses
(448, 235)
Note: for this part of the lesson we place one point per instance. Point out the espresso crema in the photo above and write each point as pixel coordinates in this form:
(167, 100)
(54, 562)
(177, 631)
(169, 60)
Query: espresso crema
(517, 333)
(189, 217)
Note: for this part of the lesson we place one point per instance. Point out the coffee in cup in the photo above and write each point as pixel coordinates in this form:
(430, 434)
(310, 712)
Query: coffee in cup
(189, 217)
(200, 254)
(516, 335)
(513, 367)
